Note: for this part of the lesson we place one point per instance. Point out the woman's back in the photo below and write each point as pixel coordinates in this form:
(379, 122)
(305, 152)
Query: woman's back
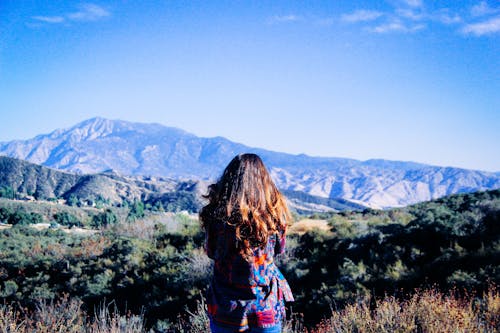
(245, 224)
(245, 292)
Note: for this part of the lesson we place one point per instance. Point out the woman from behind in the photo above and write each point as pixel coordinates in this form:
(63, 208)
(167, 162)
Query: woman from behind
(245, 223)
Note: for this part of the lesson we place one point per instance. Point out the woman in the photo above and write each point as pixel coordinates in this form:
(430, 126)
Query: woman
(245, 223)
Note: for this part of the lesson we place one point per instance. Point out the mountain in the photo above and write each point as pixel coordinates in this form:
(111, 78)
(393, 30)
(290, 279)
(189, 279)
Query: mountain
(32, 181)
(98, 144)
(28, 179)
(35, 180)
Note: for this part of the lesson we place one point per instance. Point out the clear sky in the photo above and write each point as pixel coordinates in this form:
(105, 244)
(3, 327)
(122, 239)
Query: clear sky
(413, 80)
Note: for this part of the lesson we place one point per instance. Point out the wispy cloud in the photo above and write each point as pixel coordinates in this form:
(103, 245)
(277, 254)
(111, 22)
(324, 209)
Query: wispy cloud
(395, 26)
(290, 18)
(411, 14)
(361, 15)
(89, 12)
(487, 27)
(388, 27)
(401, 19)
(86, 12)
(482, 9)
(49, 19)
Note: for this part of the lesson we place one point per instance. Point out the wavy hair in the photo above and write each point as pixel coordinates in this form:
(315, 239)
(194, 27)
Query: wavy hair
(246, 198)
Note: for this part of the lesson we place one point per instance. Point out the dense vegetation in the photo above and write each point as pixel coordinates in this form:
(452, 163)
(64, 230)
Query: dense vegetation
(156, 272)
(152, 263)
(449, 243)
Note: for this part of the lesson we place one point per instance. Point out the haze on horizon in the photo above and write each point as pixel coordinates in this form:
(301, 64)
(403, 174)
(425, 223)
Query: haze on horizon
(411, 80)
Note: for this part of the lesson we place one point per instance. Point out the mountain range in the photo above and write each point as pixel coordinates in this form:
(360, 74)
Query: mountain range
(137, 149)
(29, 181)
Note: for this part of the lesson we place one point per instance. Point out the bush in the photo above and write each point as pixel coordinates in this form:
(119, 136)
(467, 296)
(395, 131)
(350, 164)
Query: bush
(104, 219)
(22, 218)
(7, 192)
(67, 219)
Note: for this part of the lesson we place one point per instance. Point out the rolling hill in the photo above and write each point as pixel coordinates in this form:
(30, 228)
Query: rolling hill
(32, 181)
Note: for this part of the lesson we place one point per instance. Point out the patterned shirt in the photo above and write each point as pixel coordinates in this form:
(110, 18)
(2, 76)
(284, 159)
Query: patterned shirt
(243, 293)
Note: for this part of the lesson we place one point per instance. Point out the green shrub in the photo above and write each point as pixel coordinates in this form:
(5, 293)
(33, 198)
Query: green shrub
(67, 219)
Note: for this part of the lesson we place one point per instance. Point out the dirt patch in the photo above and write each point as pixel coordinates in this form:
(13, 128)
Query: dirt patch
(80, 231)
(303, 226)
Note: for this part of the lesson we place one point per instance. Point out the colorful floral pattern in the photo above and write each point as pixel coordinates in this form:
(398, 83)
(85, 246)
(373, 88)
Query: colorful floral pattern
(242, 293)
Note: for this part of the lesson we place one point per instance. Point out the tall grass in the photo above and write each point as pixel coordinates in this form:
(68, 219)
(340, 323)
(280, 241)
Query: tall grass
(427, 311)
(67, 316)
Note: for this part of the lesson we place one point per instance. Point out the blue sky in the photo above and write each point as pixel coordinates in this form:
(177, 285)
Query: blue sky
(413, 80)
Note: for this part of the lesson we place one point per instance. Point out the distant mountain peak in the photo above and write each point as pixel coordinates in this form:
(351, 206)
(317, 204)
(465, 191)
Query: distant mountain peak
(93, 128)
(129, 148)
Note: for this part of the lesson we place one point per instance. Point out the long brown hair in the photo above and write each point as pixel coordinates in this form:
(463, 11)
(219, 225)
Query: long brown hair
(246, 198)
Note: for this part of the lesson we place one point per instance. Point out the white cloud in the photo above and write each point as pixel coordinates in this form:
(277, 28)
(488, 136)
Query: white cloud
(396, 26)
(410, 14)
(89, 12)
(361, 15)
(487, 27)
(482, 9)
(49, 19)
(285, 18)
(388, 27)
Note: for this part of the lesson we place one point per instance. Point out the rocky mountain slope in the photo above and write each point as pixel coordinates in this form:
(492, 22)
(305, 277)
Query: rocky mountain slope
(32, 181)
(129, 148)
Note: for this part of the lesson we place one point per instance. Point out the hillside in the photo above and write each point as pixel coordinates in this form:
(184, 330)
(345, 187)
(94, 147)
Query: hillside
(157, 268)
(29, 181)
(35, 180)
(137, 149)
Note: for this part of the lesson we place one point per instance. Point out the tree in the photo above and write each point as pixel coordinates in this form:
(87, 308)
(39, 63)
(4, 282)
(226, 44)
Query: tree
(73, 200)
(136, 211)
(104, 219)
(5, 214)
(7, 192)
(19, 217)
(67, 219)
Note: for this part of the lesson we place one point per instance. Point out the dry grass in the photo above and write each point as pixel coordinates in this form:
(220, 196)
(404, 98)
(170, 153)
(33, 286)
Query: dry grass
(305, 225)
(426, 311)
(67, 316)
